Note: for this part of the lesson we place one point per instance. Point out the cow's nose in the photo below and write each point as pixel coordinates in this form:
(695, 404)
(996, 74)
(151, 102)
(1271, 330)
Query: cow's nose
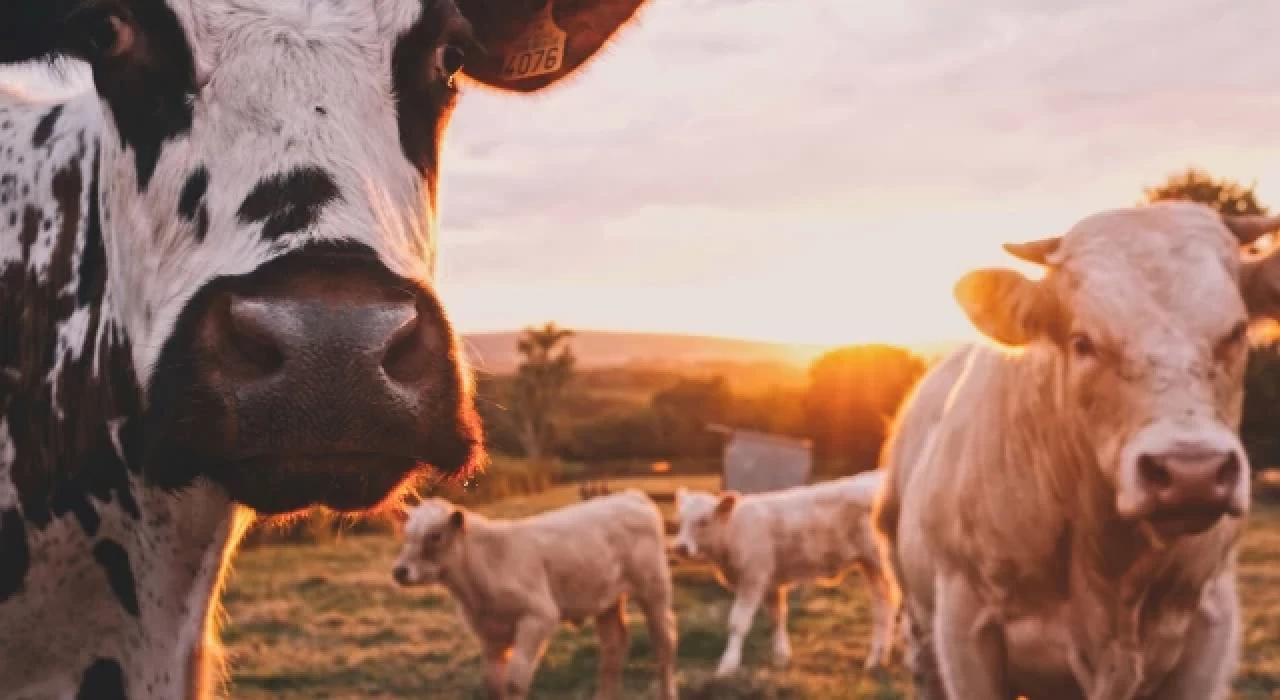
(401, 575)
(377, 343)
(1191, 482)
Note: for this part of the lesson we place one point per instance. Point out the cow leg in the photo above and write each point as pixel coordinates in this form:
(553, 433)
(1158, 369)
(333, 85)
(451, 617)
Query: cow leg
(495, 669)
(741, 615)
(661, 622)
(885, 608)
(969, 643)
(921, 660)
(532, 633)
(776, 605)
(1211, 650)
(611, 625)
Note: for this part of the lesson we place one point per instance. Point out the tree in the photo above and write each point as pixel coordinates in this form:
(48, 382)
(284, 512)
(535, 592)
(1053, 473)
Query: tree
(853, 394)
(1227, 196)
(540, 384)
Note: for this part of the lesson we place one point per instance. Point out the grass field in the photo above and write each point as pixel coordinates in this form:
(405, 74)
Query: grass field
(325, 622)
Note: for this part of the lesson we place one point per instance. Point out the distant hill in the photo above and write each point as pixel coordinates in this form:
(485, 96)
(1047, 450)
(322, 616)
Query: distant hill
(496, 352)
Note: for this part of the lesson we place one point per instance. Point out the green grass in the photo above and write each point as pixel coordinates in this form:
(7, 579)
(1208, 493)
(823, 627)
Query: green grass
(325, 622)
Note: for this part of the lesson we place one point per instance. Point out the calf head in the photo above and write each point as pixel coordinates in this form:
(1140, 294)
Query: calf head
(268, 207)
(431, 535)
(1146, 311)
(703, 520)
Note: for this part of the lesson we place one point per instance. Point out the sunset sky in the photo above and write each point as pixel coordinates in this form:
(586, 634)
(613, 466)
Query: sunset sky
(822, 171)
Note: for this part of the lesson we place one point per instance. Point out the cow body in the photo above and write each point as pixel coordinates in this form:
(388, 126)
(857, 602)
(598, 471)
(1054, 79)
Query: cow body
(216, 300)
(1036, 514)
(516, 581)
(763, 544)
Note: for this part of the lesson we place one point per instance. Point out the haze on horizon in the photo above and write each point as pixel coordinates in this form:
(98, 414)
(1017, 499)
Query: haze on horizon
(822, 172)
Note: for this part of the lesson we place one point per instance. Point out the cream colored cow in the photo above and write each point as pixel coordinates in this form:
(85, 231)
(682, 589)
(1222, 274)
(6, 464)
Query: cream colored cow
(762, 544)
(517, 580)
(1062, 511)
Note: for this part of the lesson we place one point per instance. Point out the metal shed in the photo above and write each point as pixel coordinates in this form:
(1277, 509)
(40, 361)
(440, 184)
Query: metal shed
(755, 462)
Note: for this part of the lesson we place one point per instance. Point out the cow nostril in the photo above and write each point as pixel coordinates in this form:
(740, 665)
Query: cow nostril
(252, 338)
(400, 574)
(1153, 473)
(1229, 472)
(406, 359)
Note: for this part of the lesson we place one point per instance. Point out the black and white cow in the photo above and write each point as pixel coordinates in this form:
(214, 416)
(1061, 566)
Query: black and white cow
(215, 292)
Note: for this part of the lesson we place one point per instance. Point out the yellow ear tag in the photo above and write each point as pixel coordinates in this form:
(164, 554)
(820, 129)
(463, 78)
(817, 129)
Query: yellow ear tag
(540, 50)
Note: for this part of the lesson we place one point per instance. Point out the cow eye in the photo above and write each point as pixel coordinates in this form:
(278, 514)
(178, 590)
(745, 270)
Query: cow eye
(1082, 345)
(453, 56)
(434, 538)
(107, 35)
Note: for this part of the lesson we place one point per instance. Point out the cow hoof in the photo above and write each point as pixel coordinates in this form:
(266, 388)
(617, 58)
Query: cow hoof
(780, 660)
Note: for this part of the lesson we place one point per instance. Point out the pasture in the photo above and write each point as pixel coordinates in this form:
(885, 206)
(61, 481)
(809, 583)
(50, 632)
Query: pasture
(324, 621)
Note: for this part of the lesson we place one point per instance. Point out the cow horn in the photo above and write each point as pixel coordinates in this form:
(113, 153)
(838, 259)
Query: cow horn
(1248, 229)
(1041, 252)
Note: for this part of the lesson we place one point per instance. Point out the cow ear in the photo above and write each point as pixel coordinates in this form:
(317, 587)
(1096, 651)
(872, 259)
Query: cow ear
(457, 520)
(1260, 284)
(527, 45)
(680, 494)
(728, 501)
(1005, 306)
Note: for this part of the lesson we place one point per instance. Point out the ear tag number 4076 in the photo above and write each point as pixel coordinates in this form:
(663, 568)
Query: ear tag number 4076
(540, 50)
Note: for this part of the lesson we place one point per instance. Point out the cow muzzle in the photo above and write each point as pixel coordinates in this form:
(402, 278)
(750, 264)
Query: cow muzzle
(326, 382)
(1184, 486)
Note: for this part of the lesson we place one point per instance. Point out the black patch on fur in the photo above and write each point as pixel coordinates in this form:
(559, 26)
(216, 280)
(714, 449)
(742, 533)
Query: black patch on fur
(103, 680)
(423, 101)
(193, 192)
(15, 557)
(191, 204)
(93, 263)
(68, 498)
(114, 560)
(44, 129)
(202, 223)
(288, 202)
(151, 94)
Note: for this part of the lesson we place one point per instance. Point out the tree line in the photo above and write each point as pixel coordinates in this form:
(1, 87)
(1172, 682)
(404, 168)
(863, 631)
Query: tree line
(550, 407)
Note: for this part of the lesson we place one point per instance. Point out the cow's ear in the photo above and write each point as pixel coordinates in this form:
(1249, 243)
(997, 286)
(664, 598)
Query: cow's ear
(728, 501)
(1260, 284)
(530, 44)
(457, 520)
(680, 494)
(1005, 306)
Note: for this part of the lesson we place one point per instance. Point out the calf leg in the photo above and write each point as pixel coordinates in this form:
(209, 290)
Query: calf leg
(1211, 650)
(969, 643)
(885, 608)
(661, 622)
(611, 625)
(776, 605)
(741, 615)
(532, 633)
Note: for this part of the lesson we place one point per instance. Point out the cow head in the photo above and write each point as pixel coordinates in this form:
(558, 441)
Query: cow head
(704, 518)
(1146, 311)
(431, 537)
(268, 201)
